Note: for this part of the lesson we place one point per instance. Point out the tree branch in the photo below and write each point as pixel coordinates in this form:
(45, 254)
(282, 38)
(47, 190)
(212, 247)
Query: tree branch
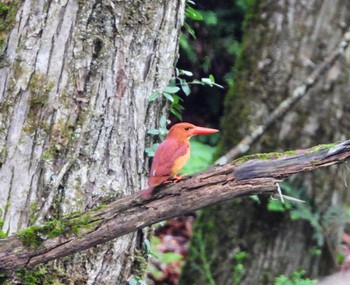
(256, 174)
(299, 92)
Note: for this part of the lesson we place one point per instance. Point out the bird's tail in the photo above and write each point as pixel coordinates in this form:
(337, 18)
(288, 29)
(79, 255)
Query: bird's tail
(147, 193)
(153, 181)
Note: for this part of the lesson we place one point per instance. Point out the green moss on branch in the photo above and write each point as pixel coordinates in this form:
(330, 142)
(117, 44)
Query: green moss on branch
(35, 235)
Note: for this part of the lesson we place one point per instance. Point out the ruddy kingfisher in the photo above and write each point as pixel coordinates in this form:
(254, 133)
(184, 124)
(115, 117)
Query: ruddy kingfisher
(172, 155)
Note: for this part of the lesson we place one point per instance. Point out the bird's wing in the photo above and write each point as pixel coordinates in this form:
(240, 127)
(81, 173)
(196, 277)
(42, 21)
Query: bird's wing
(165, 157)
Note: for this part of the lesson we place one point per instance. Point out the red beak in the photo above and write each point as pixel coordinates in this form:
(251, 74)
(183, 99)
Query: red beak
(203, 131)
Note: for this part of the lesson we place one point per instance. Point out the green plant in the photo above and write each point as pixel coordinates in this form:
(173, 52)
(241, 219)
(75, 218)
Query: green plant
(136, 280)
(162, 257)
(296, 278)
(201, 157)
(178, 83)
(320, 222)
(161, 131)
(239, 269)
(193, 14)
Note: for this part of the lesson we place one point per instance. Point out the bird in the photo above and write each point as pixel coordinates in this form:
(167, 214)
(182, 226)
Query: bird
(172, 155)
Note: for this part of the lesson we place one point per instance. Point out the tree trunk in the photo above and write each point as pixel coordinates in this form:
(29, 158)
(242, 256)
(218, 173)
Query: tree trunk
(74, 81)
(283, 42)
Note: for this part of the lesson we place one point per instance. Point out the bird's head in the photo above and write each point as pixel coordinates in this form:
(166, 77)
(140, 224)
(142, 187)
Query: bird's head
(183, 131)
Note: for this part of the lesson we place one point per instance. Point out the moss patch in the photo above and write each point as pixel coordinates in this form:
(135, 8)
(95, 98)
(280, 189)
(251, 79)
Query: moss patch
(8, 13)
(40, 88)
(264, 156)
(41, 274)
(35, 235)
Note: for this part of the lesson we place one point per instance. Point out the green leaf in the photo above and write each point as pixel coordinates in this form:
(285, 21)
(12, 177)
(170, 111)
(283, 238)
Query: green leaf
(315, 251)
(176, 113)
(147, 245)
(168, 96)
(207, 81)
(211, 77)
(185, 72)
(177, 107)
(163, 131)
(132, 281)
(154, 95)
(275, 206)
(340, 258)
(185, 88)
(172, 82)
(255, 198)
(176, 100)
(241, 255)
(171, 89)
(190, 30)
(193, 14)
(169, 257)
(150, 151)
(162, 121)
(196, 81)
(210, 17)
(153, 132)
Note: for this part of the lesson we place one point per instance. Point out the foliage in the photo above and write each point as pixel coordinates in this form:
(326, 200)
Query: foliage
(296, 278)
(201, 157)
(161, 131)
(176, 84)
(161, 257)
(239, 269)
(136, 280)
(320, 222)
(155, 255)
(193, 14)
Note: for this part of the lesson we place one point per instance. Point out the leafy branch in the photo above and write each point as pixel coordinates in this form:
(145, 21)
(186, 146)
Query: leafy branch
(177, 84)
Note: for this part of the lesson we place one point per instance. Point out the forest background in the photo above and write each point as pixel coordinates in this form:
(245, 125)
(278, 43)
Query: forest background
(54, 162)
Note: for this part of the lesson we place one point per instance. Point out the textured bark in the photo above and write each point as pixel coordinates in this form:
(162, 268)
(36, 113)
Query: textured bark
(283, 43)
(74, 82)
(130, 213)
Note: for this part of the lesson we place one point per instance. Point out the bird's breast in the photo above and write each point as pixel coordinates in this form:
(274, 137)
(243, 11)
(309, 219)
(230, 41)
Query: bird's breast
(179, 163)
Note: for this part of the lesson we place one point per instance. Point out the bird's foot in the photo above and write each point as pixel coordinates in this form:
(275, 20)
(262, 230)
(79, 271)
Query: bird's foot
(178, 178)
(173, 179)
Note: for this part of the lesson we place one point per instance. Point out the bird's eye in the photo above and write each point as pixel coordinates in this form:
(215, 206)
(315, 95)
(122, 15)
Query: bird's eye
(187, 128)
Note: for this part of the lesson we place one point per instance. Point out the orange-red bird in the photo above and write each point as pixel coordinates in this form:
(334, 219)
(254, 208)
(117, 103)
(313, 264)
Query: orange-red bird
(172, 155)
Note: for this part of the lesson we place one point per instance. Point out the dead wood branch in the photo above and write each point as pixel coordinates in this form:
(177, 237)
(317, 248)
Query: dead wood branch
(247, 176)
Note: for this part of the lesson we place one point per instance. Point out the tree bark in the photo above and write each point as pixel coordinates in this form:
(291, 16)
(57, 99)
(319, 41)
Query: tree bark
(74, 81)
(284, 41)
(221, 183)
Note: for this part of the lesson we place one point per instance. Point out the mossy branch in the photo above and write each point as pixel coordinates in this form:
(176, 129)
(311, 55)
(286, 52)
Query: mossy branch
(246, 176)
